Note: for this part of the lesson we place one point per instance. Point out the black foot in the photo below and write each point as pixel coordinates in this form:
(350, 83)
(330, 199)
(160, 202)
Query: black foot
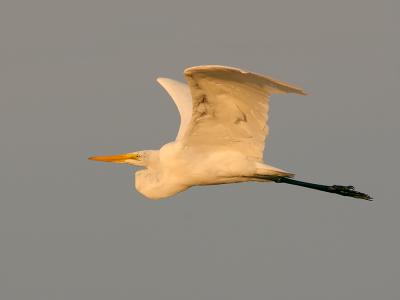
(348, 191)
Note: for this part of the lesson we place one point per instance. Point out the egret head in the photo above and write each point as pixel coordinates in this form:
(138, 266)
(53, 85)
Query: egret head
(139, 158)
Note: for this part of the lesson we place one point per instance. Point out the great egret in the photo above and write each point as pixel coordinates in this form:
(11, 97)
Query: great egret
(224, 114)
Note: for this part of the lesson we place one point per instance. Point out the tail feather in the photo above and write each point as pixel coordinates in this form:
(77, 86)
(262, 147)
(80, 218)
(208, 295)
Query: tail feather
(263, 170)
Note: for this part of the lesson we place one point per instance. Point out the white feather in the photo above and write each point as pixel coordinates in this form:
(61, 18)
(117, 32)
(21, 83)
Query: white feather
(230, 109)
(224, 113)
(180, 93)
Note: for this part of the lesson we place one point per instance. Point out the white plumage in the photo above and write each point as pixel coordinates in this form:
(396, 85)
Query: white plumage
(221, 137)
(224, 114)
(180, 93)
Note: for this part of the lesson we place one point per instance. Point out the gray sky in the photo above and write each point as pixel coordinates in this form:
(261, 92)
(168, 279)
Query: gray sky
(77, 78)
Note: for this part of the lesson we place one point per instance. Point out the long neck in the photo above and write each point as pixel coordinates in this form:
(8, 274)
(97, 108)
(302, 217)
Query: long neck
(152, 159)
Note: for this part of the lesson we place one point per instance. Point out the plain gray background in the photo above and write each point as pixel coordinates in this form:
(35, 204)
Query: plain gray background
(77, 78)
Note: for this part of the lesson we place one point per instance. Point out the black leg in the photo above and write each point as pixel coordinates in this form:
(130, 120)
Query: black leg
(336, 189)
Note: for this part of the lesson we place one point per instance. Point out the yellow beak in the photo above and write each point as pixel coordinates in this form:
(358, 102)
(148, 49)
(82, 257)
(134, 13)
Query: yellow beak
(118, 158)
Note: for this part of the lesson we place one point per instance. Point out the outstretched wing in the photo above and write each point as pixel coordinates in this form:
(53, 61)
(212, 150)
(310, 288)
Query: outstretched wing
(230, 109)
(180, 93)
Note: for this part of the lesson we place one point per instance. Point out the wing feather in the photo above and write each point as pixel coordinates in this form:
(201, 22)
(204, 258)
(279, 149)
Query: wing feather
(230, 109)
(180, 93)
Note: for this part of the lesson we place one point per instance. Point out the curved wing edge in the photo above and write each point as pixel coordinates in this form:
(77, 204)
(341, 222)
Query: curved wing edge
(180, 94)
(275, 85)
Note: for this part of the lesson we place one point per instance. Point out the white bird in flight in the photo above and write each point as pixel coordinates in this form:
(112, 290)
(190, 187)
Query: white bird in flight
(224, 113)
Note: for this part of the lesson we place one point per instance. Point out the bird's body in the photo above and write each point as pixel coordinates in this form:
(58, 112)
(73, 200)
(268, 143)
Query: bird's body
(175, 168)
(224, 113)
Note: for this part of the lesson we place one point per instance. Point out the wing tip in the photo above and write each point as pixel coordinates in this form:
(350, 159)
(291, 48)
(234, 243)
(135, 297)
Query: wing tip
(169, 83)
(298, 90)
(160, 80)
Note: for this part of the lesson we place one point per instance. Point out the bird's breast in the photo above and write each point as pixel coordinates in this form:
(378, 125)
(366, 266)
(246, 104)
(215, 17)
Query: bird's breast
(157, 185)
(180, 168)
